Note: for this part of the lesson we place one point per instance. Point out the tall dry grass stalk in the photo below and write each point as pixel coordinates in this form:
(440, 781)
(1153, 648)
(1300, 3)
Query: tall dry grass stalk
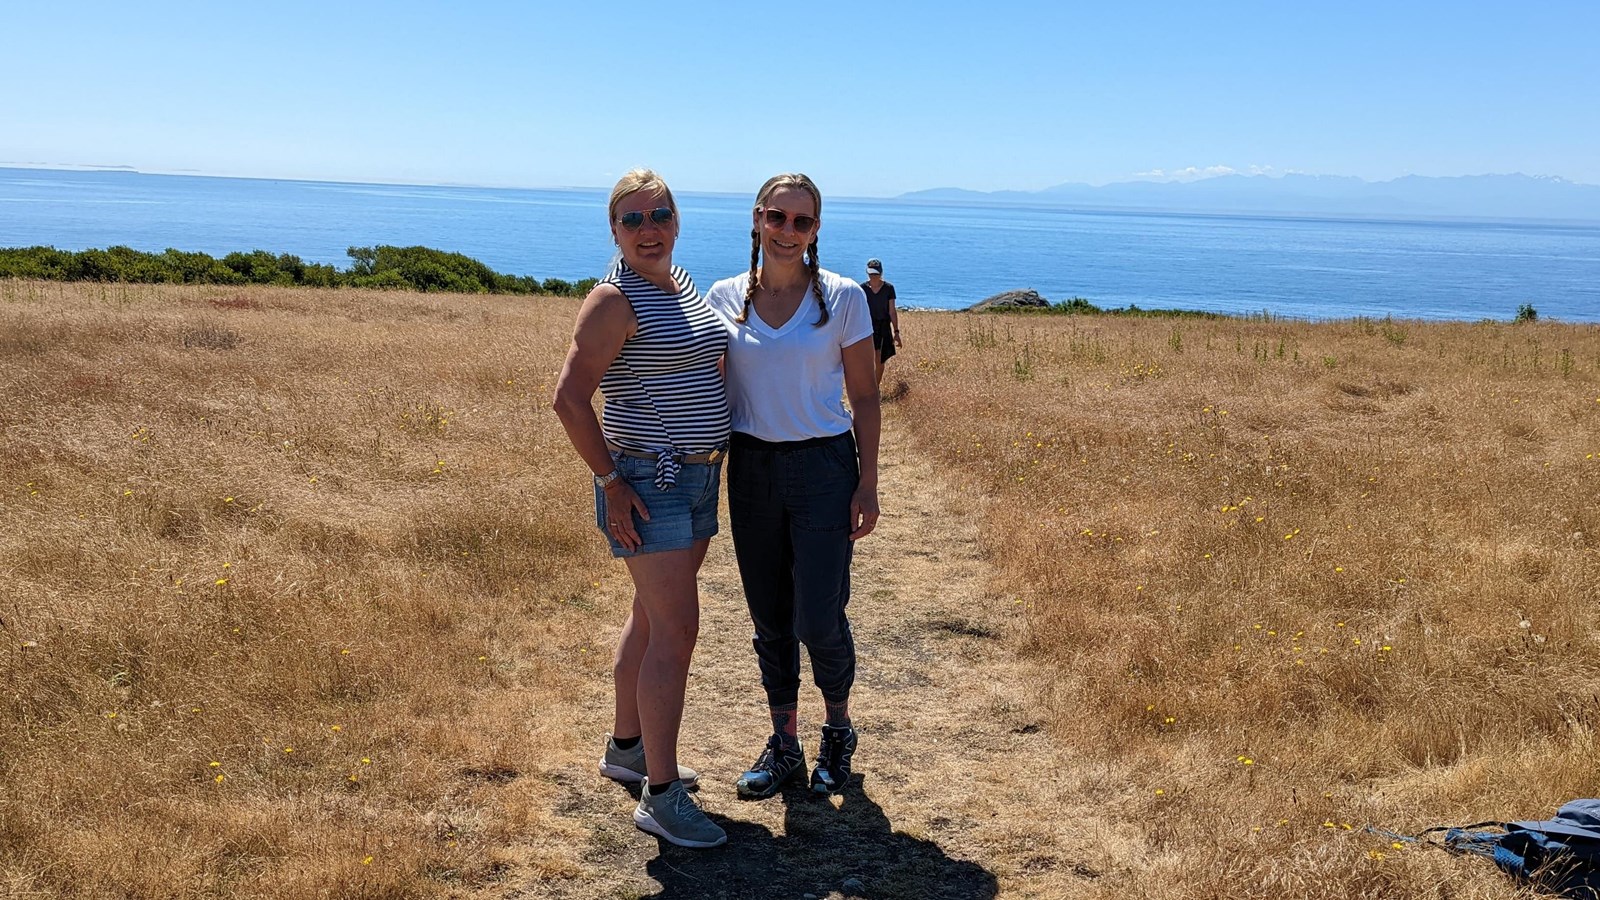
(294, 588)
(1282, 580)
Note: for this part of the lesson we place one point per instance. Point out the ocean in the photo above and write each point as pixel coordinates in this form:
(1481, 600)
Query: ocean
(939, 255)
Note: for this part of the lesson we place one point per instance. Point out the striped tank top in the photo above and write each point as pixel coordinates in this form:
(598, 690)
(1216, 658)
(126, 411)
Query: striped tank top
(663, 393)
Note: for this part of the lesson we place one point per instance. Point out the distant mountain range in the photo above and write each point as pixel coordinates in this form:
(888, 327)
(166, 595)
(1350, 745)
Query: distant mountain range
(1475, 196)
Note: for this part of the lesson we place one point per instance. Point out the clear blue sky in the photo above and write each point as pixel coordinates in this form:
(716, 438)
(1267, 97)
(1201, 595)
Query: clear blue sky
(870, 98)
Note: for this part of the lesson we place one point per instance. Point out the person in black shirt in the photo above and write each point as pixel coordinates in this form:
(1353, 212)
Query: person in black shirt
(885, 318)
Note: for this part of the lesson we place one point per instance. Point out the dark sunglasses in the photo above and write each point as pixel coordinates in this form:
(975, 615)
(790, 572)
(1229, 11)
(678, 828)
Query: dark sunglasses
(776, 218)
(632, 221)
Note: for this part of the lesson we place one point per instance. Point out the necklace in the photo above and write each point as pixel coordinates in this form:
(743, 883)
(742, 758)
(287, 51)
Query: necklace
(786, 292)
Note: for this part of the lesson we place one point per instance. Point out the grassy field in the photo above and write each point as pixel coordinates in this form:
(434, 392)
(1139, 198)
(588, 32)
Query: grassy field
(1291, 578)
(302, 596)
(293, 581)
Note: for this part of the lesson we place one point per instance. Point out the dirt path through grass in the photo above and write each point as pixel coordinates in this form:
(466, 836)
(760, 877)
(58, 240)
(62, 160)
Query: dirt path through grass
(947, 801)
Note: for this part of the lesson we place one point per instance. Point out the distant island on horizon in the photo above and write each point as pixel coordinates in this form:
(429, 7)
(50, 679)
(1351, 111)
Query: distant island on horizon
(1466, 196)
(1507, 196)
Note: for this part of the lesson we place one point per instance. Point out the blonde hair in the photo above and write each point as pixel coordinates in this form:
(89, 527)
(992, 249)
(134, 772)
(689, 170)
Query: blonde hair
(773, 185)
(637, 180)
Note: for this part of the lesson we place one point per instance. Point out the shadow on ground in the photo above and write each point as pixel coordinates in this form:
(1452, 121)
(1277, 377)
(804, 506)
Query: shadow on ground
(848, 851)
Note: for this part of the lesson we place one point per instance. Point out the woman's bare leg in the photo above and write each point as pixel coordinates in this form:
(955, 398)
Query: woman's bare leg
(625, 670)
(668, 595)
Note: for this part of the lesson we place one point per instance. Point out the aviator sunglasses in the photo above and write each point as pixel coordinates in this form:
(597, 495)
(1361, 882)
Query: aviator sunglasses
(776, 218)
(632, 221)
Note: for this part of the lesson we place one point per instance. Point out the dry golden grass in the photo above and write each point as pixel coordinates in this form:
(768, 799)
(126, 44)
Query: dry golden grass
(1287, 579)
(302, 598)
(290, 585)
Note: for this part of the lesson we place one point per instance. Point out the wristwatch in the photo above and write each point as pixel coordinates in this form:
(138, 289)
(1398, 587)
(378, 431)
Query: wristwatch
(604, 481)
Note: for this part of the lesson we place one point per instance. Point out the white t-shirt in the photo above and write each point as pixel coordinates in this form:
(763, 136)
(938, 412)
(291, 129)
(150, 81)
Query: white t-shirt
(787, 383)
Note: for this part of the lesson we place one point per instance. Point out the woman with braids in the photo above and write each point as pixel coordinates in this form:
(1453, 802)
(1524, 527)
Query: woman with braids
(648, 342)
(801, 486)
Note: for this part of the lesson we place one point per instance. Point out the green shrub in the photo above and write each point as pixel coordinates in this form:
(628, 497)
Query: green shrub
(387, 280)
(383, 266)
(1076, 305)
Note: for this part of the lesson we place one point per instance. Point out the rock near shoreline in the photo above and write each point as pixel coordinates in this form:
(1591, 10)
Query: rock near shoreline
(1023, 299)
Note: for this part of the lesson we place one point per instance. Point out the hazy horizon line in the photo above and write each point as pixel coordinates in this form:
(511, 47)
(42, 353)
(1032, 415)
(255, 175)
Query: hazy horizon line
(1131, 179)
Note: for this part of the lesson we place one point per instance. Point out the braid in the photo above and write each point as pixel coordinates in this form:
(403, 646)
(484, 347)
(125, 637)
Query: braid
(816, 282)
(755, 279)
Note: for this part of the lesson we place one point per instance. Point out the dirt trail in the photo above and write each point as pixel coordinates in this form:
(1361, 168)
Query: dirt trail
(956, 793)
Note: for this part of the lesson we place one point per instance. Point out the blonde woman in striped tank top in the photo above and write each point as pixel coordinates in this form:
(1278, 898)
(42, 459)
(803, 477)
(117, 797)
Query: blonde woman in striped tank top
(647, 341)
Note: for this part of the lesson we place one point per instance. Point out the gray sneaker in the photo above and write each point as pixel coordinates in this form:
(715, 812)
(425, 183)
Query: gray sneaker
(628, 766)
(674, 817)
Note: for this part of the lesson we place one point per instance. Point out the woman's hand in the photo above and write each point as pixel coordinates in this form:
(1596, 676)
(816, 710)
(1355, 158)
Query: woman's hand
(863, 511)
(621, 503)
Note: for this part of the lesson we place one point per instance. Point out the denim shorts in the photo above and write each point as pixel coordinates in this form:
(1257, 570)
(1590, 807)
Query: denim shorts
(678, 517)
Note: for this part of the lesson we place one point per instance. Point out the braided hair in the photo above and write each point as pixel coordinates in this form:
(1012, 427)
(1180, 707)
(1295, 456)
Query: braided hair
(816, 282)
(776, 182)
(755, 277)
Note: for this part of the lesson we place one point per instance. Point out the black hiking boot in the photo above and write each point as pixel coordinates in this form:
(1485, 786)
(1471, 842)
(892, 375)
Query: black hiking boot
(776, 764)
(833, 759)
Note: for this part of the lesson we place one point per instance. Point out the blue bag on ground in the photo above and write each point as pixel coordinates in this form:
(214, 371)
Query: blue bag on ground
(1561, 855)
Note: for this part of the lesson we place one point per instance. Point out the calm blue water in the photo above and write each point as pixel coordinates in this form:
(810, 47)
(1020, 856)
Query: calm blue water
(946, 256)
